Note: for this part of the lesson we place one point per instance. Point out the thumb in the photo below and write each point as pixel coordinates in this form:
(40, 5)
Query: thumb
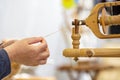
(33, 40)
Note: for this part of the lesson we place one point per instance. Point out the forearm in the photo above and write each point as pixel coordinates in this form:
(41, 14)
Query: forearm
(5, 67)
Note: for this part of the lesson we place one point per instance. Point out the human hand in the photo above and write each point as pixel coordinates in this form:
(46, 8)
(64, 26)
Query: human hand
(15, 67)
(6, 43)
(24, 52)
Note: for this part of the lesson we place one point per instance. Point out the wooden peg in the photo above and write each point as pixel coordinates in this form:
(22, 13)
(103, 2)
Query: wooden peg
(75, 36)
(76, 23)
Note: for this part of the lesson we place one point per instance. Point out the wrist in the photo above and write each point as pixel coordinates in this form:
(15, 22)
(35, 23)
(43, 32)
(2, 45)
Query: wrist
(10, 53)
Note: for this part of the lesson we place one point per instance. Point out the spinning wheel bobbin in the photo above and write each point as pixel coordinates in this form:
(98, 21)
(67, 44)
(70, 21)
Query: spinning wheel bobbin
(107, 20)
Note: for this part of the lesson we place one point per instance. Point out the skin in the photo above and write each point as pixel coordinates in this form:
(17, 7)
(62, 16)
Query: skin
(25, 52)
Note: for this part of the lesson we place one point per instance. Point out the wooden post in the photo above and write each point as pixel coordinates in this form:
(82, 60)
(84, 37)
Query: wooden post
(75, 36)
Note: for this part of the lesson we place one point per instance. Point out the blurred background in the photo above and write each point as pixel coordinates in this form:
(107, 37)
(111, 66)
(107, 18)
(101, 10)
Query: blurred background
(52, 20)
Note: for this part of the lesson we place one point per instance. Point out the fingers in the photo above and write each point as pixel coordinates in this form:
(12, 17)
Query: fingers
(7, 43)
(42, 47)
(10, 41)
(39, 47)
(42, 58)
(44, 55)
(40, 62)
(34, 40)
